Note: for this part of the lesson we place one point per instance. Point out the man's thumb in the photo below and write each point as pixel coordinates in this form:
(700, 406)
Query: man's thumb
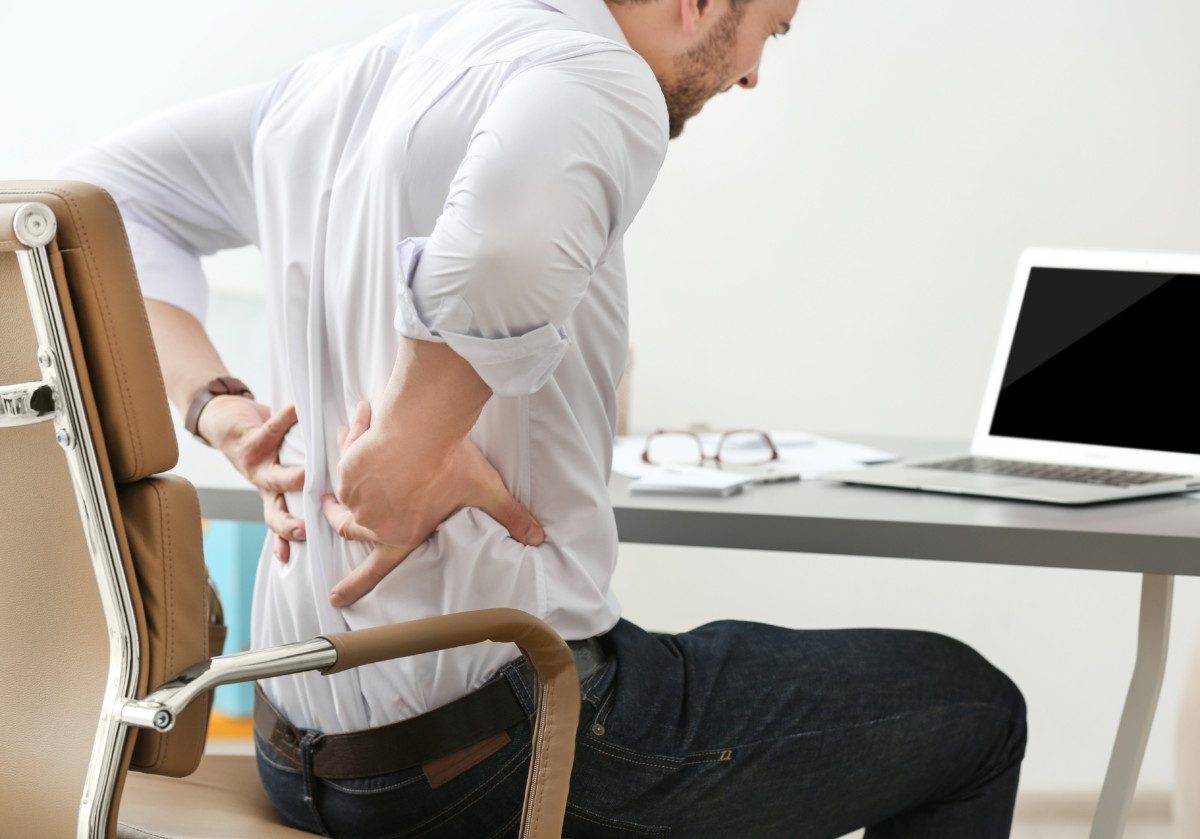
(518, 521)
(359, 424)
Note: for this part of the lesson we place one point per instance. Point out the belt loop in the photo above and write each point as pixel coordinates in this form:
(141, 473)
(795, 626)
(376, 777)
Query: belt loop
(521, 679)
(307, 741)
(282, 733)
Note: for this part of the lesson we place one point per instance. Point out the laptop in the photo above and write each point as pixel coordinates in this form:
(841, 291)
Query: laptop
(1093, 394)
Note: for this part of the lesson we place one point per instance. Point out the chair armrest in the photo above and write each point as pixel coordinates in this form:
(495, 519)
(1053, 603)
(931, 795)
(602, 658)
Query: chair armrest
(549, 777)
(558, 687)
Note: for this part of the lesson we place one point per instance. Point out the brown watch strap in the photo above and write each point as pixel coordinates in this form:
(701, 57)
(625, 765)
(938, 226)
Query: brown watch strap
(220, 386)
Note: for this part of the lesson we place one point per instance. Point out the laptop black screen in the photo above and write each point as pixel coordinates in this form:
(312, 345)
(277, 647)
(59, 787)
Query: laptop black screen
(1105, 358)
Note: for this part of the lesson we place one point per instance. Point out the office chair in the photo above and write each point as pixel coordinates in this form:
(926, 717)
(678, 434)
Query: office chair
(105, 612)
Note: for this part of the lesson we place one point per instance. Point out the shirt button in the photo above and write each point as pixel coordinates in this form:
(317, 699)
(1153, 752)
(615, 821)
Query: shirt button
(597, 729)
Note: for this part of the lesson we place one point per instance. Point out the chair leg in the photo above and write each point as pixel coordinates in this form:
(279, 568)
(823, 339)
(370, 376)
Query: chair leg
(1120, 781)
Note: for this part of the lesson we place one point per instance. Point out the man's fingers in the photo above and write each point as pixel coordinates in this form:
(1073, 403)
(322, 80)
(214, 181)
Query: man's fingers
(518, 521)
(342, 520)
(282, 522)
(492, 496)
(269, 436)
(279, 424)
(259, 455)
(359, 423)
(284, 526)
(362, 413)
(275, 478)
(378, 564)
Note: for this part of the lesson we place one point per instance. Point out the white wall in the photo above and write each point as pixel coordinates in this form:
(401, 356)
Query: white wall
(842, 238)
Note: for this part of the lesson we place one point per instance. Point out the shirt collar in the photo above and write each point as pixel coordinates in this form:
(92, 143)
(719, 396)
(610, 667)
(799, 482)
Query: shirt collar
(594, 15)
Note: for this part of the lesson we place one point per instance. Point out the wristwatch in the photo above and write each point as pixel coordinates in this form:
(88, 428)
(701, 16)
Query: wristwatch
(220, 386)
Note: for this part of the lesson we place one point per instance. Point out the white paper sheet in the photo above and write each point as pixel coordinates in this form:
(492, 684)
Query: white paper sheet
(696, 480)
(810, 455)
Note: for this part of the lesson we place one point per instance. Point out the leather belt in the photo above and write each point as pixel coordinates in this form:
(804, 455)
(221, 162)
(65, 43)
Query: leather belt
(464, 730)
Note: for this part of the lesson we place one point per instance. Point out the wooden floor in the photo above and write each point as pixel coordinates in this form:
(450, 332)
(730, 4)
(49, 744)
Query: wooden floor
(1069, 816)
(1080, 831)
(1075, 829)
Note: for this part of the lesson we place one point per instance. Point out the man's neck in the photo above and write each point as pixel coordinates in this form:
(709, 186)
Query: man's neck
(642, 23)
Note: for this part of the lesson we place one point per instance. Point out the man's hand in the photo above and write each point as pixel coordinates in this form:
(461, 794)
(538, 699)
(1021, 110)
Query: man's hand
(243, 430)
(246, 432)
(395, 497)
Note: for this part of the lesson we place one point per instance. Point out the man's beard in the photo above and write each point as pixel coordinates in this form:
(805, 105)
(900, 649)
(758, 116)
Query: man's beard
(700, 72)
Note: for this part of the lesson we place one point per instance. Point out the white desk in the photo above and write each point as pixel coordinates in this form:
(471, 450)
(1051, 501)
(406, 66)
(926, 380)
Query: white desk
(1158, 538)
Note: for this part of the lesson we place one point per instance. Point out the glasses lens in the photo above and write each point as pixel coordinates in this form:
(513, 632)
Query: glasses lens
(670, 449)
(745, 448)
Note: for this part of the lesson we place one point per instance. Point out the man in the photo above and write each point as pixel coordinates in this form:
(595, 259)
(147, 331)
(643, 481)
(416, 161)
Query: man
(442, 209)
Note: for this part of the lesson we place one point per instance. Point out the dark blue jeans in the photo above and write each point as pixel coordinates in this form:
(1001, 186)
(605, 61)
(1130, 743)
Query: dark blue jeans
(732, 729)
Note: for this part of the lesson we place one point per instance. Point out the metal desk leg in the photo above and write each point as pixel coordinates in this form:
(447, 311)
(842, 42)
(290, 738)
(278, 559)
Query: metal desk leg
(1120, 781)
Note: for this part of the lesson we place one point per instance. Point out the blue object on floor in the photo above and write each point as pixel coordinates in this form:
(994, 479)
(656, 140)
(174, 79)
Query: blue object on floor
(231, 550)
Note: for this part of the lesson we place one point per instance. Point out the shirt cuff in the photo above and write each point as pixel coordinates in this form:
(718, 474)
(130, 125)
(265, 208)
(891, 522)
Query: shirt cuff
(167, 271)
(510, 366)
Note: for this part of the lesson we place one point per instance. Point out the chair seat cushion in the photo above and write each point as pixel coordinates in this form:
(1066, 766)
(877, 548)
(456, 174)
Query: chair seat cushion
(223, 799)
(162, 523)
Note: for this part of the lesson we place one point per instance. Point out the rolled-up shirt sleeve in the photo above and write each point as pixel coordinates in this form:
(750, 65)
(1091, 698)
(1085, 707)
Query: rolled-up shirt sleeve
(555, 170)
(182, 180)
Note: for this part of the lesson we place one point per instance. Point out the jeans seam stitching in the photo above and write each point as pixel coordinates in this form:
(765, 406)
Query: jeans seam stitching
(671, 764)
(867, 723)
(292, 770)
(695, 758)
(504, 828)
(605, 708)
(689, 759)
(591, 680)
(469, 798)
(604, 821)
(388, 788)
(310, 797)
(527, 700)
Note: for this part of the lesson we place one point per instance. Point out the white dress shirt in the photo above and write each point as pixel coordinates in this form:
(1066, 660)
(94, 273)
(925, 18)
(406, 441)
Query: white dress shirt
(466, 175)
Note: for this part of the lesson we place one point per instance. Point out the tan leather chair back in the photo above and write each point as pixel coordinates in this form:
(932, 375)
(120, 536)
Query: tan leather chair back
(56, 645)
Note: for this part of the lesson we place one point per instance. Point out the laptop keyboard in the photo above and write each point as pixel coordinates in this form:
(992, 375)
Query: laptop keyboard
(1049, 471)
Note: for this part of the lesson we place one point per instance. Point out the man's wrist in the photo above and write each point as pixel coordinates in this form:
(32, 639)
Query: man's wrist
(225, 420)
(425, 439)
(219, 387)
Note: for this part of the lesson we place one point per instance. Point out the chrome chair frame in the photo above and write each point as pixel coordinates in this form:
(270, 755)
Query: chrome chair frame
(34, 226)
(57, 398)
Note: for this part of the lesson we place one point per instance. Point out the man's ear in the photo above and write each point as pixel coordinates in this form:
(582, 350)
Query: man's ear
(690, 12)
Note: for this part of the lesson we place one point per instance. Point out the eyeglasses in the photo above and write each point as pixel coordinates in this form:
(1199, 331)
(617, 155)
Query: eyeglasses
(742, 447)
